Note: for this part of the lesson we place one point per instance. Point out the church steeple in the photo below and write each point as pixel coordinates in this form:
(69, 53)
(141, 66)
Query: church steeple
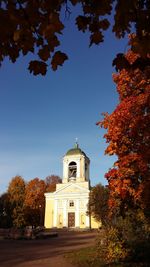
(75, 165)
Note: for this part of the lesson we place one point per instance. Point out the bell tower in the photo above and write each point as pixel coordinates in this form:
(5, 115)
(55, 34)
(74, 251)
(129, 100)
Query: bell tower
(75, 166)
(68, 205)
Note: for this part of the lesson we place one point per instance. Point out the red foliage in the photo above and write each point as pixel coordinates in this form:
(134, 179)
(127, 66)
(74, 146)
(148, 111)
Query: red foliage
(35, 190)
(128, 135)
(51, 182)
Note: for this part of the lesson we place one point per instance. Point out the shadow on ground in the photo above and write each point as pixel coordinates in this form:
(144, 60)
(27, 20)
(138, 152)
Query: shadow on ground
(42, 252)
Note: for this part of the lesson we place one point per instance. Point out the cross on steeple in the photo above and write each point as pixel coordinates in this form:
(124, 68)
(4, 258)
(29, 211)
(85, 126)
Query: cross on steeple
(76, 143)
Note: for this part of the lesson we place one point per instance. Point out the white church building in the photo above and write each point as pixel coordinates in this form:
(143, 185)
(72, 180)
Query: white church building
(67, 206)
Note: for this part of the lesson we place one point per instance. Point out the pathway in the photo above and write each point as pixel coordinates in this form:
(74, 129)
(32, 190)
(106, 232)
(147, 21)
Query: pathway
(44, 252)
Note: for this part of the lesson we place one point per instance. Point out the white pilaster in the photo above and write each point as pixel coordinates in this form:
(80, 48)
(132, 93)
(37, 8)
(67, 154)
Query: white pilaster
(83, 166)
(65, 169)
(65, 222)
(78, 168)
(77, 214)
(87, 221)
(87, 217)
(55, 212)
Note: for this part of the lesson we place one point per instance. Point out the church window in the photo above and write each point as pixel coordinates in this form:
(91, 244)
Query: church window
(71, 203)
(72, 169)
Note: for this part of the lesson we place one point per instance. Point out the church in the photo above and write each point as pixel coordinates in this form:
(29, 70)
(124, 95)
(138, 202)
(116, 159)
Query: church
(67, 206)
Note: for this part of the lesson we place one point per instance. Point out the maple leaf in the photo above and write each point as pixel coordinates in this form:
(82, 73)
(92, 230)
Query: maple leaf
(44, 53)
(17, 34)
(53, 42)
(121, 62)
(58, 59)
(55, 25)
(37, 67)
(13, 53)
(104, 24)
(96, 38)
(31, 24)
(82, 22)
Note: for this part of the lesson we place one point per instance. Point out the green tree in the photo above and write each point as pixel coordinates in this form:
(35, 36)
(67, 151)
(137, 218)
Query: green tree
(35, 27)
(98, 203)
(16, 195)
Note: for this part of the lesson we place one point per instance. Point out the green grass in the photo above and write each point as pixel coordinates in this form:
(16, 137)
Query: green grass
(85, 257)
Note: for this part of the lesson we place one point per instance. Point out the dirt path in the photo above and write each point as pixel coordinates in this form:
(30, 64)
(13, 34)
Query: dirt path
(43, 253)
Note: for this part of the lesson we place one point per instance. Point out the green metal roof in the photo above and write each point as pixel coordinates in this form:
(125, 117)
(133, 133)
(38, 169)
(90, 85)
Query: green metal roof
(75, 151)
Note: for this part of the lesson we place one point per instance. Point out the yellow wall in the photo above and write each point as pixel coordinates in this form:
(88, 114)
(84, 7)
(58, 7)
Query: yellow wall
(60, 220)
(95, 224)
(82, 220)
(49, 213)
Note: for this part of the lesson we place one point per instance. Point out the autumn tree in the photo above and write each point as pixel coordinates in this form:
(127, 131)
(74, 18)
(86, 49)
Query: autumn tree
(35, 202)
(98, 203)
(128, 137)
(34, 27)
(51, 182)
(16, 196)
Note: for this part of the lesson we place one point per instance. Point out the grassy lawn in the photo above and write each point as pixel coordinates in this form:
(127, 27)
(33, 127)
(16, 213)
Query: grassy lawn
(84, 257)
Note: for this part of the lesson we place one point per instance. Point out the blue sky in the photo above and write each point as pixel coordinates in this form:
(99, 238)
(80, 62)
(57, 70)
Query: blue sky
(40, 117)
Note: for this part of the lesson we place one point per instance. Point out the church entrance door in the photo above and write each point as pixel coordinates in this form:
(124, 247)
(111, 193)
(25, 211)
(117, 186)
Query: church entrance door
(71, 219)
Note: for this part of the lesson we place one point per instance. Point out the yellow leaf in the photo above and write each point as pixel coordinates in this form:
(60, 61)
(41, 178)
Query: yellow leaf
(17, 35)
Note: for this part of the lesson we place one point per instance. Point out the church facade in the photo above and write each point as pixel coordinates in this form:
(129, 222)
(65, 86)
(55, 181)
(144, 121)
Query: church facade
(67, 206)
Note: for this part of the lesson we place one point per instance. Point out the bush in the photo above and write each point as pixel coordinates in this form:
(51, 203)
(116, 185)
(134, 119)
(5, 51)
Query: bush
(110, 246)
(126, 239)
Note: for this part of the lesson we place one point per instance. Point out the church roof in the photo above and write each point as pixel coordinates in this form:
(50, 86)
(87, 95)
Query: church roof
(75, 151)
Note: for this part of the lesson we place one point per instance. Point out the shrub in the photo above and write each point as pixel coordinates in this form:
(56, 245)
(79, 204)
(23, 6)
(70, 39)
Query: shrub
(111, 247)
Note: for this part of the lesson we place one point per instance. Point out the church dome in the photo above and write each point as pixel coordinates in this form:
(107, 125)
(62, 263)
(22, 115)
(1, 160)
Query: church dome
(75, 151)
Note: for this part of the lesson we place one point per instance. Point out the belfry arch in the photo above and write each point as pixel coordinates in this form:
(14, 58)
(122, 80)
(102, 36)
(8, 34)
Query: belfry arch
(72, 170)
(75, 165)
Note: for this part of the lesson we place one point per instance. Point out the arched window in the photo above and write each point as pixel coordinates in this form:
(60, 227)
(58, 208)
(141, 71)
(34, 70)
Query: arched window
(72, 169)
